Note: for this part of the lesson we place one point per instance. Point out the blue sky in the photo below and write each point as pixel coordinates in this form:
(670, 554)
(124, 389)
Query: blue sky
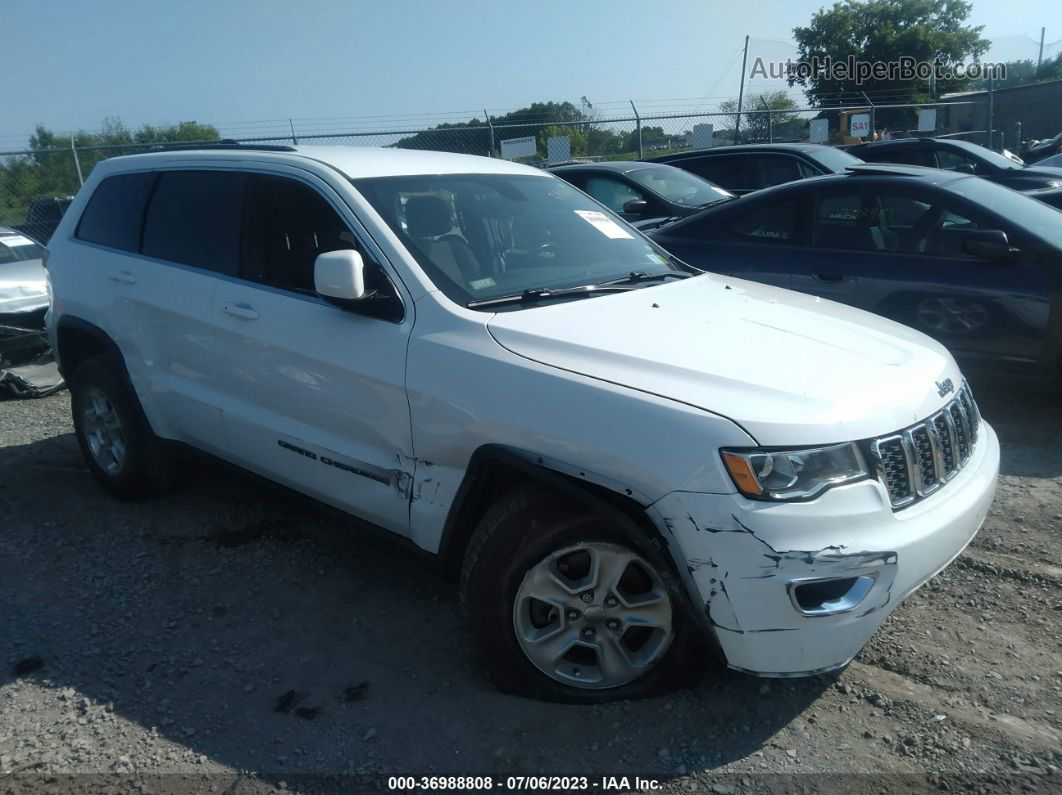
(70, 64)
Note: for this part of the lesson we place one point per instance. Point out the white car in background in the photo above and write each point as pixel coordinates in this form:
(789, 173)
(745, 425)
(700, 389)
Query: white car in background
(628, 461)
(23, 280)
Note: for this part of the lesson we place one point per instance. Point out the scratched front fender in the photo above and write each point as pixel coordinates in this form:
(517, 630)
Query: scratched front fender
(742, 557)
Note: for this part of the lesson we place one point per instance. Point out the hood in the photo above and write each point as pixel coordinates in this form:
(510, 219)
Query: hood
(1041, 175)
(23, 286)
(790, 369)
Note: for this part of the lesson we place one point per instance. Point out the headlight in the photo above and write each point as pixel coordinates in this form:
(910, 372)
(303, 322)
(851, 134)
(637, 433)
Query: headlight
(793, 474)
(1055, 183)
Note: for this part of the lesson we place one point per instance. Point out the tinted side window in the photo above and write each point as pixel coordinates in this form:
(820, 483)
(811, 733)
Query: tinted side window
(950, 161)
(612, 193)
(194, 219)
(774, 222)
(777, 170)
(853, 221)
(910, 157)
(115, 214)
(288, 224)
(733, 172)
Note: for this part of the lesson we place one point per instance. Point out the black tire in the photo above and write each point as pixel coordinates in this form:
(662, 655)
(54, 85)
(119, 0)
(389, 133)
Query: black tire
(147, 469)
(518, 532)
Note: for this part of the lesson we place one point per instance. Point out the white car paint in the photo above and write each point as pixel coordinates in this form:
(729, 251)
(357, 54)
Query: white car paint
(634, 392)
(23, 282)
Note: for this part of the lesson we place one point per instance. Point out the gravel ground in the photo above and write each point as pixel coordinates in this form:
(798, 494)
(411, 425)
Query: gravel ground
(229, 637)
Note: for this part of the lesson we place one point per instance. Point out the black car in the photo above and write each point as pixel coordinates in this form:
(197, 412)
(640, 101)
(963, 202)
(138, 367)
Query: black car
(969, 262)
(1037, 151)
(646, 194)
(748, 167)
(962, 156)
(43, 216)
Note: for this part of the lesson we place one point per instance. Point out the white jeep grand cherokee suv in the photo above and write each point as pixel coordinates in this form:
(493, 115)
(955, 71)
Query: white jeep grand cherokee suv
(630, 462)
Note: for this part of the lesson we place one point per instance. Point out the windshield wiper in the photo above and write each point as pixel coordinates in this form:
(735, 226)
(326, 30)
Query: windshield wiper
(545, 293)
(636, 277)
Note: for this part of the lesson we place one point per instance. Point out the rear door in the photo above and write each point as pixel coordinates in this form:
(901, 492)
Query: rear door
(153, 244)
(315, 394)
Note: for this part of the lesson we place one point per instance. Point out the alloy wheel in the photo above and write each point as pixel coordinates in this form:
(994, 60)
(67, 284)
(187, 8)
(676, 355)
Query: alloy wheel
(103, 432)
(594, 615)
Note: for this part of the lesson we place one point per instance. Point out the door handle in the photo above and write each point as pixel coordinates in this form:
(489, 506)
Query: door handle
(828, 277)
(242, 311)
(125, 277)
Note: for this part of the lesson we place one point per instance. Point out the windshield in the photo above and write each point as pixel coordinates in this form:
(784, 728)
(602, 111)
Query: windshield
(679, 186)
(835, 160)
(18, 248)
(480, 236)
(1034, 216)
(987, 155)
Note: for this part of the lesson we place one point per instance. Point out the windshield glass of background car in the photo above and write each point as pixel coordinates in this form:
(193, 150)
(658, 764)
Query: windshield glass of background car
(1034, 216)
(18, 248)
(987, 155)
(835, 160)
(480, 236)
(679, 186)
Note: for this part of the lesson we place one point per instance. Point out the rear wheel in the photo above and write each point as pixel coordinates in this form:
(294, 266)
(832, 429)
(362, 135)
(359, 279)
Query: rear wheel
(569, 602)
(113, 433)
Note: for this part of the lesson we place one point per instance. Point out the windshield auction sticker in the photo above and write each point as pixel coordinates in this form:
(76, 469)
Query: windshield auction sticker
(605, 225)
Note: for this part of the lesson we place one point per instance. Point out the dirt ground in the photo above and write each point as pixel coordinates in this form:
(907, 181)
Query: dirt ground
(228, 637)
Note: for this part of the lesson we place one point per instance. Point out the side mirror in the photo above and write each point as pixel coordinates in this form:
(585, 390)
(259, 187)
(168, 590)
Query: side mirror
(965, 168)
(339, 276)
(636, 206)
(988, 244)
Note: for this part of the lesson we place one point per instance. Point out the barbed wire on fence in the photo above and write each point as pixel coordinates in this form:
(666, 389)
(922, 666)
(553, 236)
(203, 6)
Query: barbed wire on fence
(36, 176)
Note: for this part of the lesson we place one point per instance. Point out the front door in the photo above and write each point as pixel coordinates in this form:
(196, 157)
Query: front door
(316, 393)
(903, 247)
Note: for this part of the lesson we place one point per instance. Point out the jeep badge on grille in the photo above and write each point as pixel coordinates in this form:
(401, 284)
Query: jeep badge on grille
(945, 387)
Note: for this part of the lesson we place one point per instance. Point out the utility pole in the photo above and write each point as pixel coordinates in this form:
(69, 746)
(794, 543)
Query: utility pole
(77, 162)
(873, 121)
(1040, 59)
(770, 121)
(991, 110)
(490, 124)
(638, 125)
(741, 90)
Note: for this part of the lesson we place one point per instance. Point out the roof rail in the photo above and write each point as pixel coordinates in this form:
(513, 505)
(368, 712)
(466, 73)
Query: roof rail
(226, 143)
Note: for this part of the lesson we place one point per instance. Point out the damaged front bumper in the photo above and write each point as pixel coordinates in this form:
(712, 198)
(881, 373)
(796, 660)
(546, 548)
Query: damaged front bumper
(796, 589)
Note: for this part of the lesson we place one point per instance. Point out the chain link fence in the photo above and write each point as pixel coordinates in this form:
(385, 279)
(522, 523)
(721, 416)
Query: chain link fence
(36, 184)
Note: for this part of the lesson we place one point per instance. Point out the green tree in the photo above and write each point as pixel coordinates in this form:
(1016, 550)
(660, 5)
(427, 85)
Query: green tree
(473, 136)
(1020, 73)
(755, 126)
(885, 31)
(49, 168)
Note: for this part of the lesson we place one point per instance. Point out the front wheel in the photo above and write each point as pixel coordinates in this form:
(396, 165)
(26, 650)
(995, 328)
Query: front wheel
(570, 603)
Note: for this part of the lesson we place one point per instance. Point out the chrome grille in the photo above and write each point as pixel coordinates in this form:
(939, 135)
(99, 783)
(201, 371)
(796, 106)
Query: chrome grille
(915, 462)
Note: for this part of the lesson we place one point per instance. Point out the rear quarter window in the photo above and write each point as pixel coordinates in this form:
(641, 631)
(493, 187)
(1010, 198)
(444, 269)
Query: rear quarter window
(114, 215)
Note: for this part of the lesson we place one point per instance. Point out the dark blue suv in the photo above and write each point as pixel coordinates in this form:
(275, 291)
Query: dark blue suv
(973, 264)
